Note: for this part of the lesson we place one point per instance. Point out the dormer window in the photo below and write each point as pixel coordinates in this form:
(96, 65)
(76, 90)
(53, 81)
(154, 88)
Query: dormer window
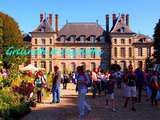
(82, 38)
(72, 38)
(62, 38)
(92, 38)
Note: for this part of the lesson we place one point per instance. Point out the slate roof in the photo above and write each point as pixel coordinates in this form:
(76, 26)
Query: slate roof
(44, 26)
(120, 25)
(140, 38)
(79, 29)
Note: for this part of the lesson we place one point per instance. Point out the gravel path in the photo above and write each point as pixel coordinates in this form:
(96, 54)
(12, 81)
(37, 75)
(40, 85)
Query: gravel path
(68, 110)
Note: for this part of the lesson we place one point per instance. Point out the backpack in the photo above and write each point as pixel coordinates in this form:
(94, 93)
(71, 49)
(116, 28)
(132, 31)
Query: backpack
(38, 82)
(88, 79)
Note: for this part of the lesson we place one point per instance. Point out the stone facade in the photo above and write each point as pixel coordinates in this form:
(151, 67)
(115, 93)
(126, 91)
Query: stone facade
(88, 44)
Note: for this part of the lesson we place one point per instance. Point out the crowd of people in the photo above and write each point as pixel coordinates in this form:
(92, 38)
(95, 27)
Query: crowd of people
(131, 83)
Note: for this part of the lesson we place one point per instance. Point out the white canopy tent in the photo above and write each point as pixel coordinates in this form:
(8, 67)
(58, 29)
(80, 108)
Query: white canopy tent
(29, 67)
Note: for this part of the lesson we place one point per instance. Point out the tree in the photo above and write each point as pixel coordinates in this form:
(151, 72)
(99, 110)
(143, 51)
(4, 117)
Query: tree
(10, 36)
(156, 37)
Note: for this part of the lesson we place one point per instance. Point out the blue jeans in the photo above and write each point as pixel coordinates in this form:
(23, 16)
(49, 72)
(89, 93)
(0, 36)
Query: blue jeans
(83, 105)
(56, 94)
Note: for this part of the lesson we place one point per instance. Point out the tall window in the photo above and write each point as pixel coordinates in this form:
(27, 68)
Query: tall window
(123, 54)
(115, 52)
(148, 52)
(130, 52)
(43, 52)
(50, 52)
(92, 52)
(43, 41)
(63, 55)
(73, 53)
(83, 52)
(50, 41)
(93, 65)
(50, 66)
(35, 41)
(35, 52)
(122, 41)
(140, 52)
(115, 41)
(130, 41)
(43, 64)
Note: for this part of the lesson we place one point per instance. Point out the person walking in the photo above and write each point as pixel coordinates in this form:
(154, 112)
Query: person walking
(131, 88)
(65, 80)
(110, 96)
(139, 82)
(38, 85)
(56, 80)
(83, 80)
(154, 88)
(94, 82)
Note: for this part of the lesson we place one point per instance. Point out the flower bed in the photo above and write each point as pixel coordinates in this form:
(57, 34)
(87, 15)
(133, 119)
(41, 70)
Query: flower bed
(12, 104)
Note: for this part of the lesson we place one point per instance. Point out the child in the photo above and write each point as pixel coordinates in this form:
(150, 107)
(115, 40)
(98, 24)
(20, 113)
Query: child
(110, 92)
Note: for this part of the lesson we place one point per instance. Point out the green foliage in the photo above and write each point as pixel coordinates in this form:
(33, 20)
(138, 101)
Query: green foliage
(157, 42)
(12, 105)
(11, 37)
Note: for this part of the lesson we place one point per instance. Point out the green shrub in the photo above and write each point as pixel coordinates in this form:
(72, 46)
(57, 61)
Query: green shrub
(12, 105)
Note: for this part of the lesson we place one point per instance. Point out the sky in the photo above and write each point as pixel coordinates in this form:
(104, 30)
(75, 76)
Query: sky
(144, 14)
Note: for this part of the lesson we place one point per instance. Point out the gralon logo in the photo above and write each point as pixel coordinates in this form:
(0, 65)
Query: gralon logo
(24, 51)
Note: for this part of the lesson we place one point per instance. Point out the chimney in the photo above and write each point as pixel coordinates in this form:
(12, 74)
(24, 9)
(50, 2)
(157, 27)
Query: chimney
(41, 17)
(122, 18)
(107, 23)
(50, 19)
(114, 19)
(127, 20)
(56, 23)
